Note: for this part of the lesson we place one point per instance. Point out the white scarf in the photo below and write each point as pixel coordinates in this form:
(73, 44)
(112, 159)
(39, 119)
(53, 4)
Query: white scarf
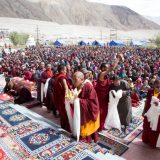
(153, 116)
(153, 113)
(42, 91)
(112, 119)
(75, 122)
(46, 87)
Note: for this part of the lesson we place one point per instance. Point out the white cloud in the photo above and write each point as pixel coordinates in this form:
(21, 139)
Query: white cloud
(143, 7)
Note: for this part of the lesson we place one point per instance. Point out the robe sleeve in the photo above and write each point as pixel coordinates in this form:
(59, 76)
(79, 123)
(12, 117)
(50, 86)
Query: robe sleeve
(88, 104)
(148, 101)
(158, 125)
(43, 77)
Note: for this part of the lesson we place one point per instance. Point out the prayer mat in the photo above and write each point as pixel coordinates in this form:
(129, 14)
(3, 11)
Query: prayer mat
(132, 131)
(139, 110)
(3, 156)
(22, 138)
(114, 146)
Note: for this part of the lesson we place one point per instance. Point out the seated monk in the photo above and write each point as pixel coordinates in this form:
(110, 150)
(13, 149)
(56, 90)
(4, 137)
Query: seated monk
(89, 108)
(28, 75)
(134, 98)
(24, 95)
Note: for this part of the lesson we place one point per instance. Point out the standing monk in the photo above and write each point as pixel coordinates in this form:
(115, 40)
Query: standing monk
(89, 108)
(44, 76)
(60, 89)
(38, 73)
(47, 73)
(152, 137)
(102, 89)
(50, 97)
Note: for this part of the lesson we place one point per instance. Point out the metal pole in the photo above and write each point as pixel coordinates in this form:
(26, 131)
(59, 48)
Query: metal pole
(37, 32)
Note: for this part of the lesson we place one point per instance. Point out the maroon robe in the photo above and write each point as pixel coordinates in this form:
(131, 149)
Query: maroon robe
(69, 80)
(59, 97)
(94, 83)
(45, 75)
(89, 104)
(135, 99)
(28, 75)
(89, 107)
(13, 72)
(102, 89)
(149, 136)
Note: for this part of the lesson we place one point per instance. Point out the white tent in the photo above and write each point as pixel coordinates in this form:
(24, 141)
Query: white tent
(4, 42)
(137, 43)
(31, 41)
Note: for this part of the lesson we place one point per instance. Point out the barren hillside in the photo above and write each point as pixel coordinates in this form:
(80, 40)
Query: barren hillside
(76, 12)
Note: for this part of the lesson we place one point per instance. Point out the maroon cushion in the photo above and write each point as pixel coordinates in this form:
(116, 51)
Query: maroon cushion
(32, 103)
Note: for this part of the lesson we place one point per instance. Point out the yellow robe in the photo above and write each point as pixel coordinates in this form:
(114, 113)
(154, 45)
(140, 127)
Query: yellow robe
(90, 127)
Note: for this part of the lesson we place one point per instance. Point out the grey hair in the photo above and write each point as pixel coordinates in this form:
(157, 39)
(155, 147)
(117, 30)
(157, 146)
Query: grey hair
(79, 75)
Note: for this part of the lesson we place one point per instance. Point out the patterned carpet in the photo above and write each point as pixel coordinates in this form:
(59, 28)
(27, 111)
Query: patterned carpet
(138, 111)
(113, 145)
(22, 138)
(2, 83)
(132, 131)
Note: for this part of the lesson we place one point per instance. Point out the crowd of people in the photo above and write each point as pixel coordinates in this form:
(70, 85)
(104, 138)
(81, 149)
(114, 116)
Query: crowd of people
(98, 73)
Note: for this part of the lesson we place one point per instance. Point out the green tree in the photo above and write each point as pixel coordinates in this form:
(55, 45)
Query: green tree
(50, 42)
(14, 38)
(157, 40)
(22, 38)
(18, 38)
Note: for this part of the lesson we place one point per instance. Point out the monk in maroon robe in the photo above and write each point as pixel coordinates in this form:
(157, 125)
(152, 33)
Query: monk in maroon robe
(60, 89)
(44, 76)
(102, 89)
(134, 98)
(89, 108)
(149, 136)
(28, 75)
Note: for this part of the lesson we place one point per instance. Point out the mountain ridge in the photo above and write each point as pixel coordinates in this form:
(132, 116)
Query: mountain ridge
(76, 12)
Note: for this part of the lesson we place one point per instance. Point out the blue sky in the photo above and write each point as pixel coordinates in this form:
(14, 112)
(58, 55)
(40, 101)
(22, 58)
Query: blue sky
(143, 7)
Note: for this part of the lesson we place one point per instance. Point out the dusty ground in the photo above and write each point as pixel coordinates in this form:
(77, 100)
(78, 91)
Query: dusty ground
(72, 33)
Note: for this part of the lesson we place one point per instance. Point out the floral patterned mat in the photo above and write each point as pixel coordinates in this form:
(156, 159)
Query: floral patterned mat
(22, 138)
(132, 131)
